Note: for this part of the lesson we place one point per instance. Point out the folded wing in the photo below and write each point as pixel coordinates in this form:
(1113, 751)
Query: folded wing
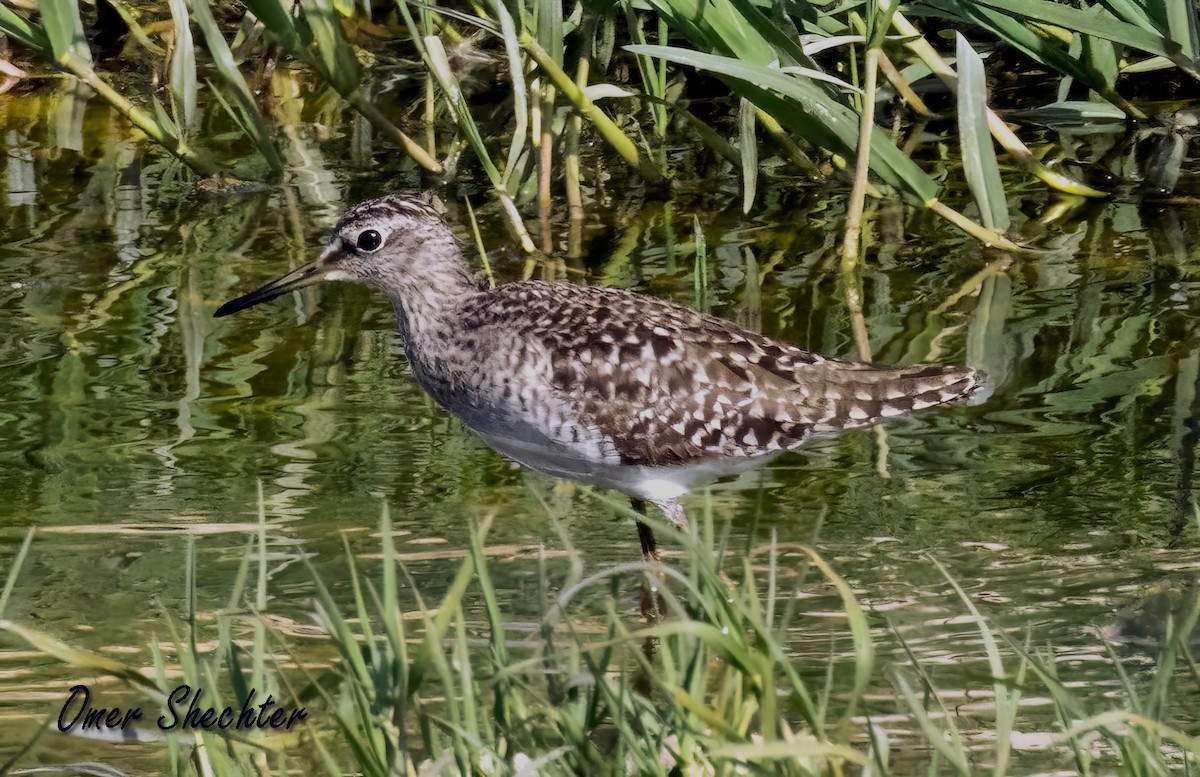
(666, 385)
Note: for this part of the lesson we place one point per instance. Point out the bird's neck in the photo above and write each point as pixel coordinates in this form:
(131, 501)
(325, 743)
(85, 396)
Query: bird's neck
(429, 305)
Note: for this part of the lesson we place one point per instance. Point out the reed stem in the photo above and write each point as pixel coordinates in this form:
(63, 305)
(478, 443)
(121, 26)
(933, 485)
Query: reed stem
(607, 128)
(854, 215)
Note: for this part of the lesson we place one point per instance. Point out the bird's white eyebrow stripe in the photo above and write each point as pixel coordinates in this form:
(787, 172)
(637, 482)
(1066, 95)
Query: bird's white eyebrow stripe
(389, 208)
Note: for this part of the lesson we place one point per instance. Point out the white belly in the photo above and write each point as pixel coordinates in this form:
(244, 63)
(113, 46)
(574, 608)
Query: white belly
(650, 483)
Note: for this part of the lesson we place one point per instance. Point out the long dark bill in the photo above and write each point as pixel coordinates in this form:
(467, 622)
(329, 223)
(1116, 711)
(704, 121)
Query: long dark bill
(305, 276)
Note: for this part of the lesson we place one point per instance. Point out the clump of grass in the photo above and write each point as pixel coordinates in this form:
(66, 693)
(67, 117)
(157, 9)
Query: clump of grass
(708, 686)
(794, 71)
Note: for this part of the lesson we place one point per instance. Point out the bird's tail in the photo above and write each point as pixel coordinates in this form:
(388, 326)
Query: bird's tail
(866, 393)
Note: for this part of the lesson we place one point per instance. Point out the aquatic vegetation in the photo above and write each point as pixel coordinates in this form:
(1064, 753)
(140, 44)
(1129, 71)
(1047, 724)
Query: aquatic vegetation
(804, 76)
(448, 686)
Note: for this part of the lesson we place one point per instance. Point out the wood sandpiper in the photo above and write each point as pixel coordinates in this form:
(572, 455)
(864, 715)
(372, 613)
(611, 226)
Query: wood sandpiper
(601, 385)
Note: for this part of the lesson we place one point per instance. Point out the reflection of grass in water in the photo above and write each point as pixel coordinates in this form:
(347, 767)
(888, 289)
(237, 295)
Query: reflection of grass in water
(709, 688)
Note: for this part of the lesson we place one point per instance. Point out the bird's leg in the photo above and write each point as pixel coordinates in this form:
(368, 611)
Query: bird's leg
(645, 533)
(652, 603)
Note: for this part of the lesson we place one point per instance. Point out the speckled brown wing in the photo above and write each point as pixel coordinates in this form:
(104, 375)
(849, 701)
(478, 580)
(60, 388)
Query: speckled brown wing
(667, 385)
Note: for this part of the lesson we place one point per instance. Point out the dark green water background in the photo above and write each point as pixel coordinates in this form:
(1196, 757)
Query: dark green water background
(130, 418)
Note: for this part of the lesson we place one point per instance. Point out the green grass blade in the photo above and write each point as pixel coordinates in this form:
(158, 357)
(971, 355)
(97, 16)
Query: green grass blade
(251, 119)
(1181, 26)
(947, 743)
(1100, 57)
(64, 29)
(773, 31)
(550, 28)
(1134, 12)
(800, 750)
(645, 65)
(163, 117)
(748, 149)
(183, 66)
(19, 28)
(81, 68)
(439, 63)
(497, 640)
(1013, 30)
(75, 657)
(136, 31)
(160, 676)
(607, 128)
(860, 630)
(14, 571)
(516, 72)
(978, 153)
(1095, 21)
(1073, 113)
(341, 66)
(1016, 34)
(1005, 699)
(718, 27)
(277, 22)
(438, 624)
(238, 117)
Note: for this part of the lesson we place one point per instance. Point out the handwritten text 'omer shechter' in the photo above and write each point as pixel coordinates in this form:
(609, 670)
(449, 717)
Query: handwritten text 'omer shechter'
(184, 711)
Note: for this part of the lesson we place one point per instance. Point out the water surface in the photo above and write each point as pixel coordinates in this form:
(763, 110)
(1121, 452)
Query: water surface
(131, 420)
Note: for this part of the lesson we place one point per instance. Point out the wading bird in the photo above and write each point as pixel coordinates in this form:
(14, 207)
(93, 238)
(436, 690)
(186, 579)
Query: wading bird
(600, 385)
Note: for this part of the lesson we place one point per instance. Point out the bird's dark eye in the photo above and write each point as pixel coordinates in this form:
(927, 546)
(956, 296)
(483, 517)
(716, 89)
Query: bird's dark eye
(369, 240)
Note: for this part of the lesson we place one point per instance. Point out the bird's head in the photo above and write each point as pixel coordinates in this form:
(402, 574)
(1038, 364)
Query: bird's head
(389, 243)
